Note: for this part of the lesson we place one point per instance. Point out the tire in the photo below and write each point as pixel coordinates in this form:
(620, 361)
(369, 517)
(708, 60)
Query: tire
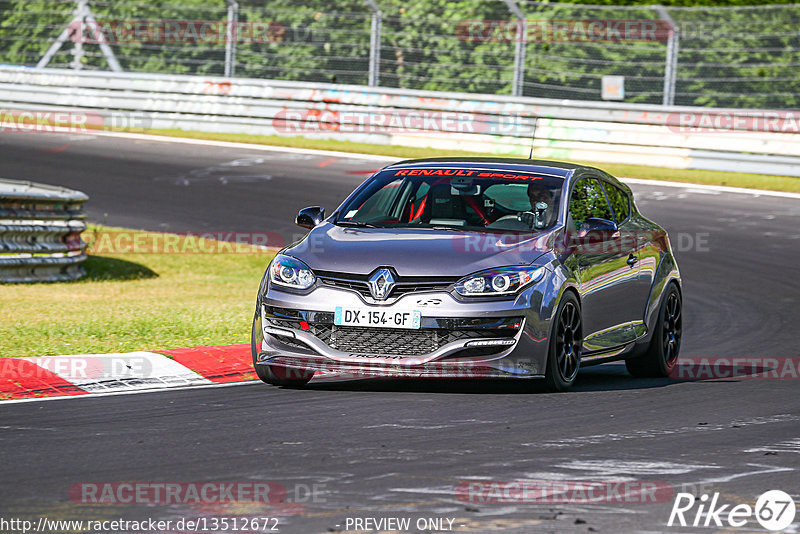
(273, 374)
(566, 345)
(662, 354)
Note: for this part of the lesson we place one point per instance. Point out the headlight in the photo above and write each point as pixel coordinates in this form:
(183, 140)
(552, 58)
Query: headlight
(288, 272)
(502, 281)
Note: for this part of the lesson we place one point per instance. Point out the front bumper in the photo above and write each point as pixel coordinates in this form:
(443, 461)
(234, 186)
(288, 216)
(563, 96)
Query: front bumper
(457, 339)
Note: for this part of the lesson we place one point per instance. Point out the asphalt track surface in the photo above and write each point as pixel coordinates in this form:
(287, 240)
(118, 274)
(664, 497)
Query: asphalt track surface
(398, 448)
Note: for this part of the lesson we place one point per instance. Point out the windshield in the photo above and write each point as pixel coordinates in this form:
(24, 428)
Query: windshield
(467, 199)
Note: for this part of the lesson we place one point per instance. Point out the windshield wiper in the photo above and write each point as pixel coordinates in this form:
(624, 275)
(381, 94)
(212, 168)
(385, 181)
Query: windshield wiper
(356, 224)
(451, 228)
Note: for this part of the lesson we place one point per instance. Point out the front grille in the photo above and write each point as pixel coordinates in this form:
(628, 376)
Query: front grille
(402, 286)
(291, 342)
(283, 323)
(396, 341)
(385, 341)
(361, 340)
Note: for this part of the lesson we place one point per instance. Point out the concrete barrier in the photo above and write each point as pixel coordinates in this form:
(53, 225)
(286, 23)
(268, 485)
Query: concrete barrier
(753, 141)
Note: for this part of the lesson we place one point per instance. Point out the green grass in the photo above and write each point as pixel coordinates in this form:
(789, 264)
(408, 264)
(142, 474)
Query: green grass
(732, 179)
(134, 302)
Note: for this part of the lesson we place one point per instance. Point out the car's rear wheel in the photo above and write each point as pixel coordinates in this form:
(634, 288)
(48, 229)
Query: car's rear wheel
(274, 374)
(566, 345)
(662, 353)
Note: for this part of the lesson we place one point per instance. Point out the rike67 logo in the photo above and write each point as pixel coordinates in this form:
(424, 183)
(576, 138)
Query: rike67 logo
(774, 510)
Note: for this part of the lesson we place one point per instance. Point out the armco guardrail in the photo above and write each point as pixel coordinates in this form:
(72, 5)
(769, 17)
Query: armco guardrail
(679, 137)
(40, 232)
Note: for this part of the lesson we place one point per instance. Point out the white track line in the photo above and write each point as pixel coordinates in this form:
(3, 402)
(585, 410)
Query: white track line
(392, 159)
(248, 146)
(130, 392)
(719, 188)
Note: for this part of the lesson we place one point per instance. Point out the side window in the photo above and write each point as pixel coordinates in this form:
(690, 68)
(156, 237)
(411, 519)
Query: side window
(588, 201)
(619, 201)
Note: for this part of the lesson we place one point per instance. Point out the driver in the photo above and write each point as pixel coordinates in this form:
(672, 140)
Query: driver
(542, 212)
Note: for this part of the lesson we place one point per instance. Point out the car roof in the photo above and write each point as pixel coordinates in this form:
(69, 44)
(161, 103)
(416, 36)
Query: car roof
(559, 169)
(494, 159)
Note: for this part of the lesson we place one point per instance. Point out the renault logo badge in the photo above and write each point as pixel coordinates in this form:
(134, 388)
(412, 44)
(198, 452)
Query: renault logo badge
(381, 284)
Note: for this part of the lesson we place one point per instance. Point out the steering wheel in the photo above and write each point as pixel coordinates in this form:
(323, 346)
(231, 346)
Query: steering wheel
(512, 222)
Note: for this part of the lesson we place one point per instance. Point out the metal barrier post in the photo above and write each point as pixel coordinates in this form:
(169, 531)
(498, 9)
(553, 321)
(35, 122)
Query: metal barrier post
(671, 60)
(374, 44)
(231, 36)
(519, 49)
(77, 47)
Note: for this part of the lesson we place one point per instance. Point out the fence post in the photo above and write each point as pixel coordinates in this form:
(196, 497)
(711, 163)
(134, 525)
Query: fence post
(374, 44)
(230, 38)
(82, 17)
(77, 46)
(519, 49)
(671, 60)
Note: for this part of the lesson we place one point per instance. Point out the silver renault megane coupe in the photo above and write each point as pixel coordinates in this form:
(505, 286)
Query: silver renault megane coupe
(472, 268)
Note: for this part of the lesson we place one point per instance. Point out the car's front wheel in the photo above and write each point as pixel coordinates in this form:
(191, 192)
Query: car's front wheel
(662, 354)
(566, 345)
(273, 374)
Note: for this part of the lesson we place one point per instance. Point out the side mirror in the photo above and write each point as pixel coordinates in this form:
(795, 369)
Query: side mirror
(595, 229)
(310, 217)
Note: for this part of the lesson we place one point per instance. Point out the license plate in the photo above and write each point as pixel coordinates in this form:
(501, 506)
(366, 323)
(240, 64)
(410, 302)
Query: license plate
(409, 319)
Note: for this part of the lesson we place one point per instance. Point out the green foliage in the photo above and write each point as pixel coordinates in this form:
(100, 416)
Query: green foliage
(588, 201)
(744, 58)
(619, 202)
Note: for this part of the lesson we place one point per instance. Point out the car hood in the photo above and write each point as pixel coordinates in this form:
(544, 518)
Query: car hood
(415, 252)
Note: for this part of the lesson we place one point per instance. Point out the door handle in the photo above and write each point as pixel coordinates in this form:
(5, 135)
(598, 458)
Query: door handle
(632, 260)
